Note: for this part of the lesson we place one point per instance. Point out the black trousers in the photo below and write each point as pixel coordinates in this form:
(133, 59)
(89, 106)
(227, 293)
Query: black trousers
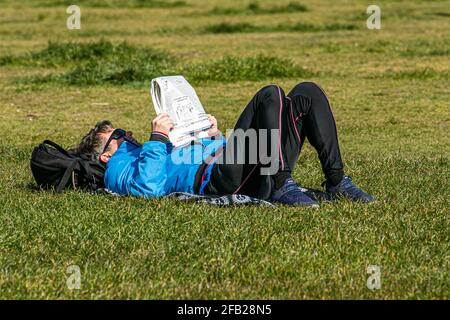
(304, 113)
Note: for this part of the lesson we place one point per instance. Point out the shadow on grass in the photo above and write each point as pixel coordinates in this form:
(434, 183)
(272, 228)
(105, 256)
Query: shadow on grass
(254, 8)
(299, 27)
(442, 14)
(33, 187)
(116, 4)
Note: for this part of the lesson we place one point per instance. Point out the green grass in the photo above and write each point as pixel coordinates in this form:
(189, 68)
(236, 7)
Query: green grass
(255, 8)
(64, 54)
(250, 69)
(102, 62)
(389, 93)
(418, 74)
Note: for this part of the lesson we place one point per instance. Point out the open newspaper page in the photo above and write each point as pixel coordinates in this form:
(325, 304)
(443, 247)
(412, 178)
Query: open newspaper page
(175, 96)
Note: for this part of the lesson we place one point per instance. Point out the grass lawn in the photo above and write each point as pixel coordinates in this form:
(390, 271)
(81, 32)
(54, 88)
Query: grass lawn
(390, 94)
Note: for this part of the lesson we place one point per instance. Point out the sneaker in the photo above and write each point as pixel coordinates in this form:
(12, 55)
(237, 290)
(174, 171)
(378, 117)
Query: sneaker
(291, 194)
(346, 189)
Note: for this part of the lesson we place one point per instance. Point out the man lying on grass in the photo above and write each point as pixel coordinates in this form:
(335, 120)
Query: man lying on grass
(154, 169)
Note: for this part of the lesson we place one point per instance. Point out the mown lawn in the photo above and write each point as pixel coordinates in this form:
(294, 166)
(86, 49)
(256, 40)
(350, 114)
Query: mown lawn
(390, 93)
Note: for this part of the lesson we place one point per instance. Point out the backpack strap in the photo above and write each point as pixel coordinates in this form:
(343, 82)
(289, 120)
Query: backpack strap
(57, 147)
(90, 174)
(66, 176)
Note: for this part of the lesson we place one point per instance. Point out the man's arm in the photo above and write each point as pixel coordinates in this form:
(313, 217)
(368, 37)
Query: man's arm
(150, 176)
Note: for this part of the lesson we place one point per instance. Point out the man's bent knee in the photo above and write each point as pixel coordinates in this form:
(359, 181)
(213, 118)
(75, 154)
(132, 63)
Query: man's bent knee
(271, 95)
(271, 91)
(307, 86)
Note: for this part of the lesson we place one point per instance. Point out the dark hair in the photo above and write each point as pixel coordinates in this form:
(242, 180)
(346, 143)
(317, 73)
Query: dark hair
(92, 143)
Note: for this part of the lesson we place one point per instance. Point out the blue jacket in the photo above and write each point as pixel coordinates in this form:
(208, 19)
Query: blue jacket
(156, 168)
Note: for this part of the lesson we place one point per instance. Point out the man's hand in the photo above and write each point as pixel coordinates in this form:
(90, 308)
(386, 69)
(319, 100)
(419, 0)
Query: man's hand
(213, 130)
(162, 123)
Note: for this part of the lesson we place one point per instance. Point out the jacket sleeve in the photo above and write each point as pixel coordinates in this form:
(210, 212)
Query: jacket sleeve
(150, 176)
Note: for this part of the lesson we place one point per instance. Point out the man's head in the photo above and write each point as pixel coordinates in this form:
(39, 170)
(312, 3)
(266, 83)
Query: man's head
(102, 141)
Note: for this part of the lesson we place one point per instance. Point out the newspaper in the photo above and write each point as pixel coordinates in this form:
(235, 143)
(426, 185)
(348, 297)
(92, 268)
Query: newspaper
(175, 96)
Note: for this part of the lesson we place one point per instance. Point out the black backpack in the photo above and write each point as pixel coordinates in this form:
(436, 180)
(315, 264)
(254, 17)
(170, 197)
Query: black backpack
(54, 167)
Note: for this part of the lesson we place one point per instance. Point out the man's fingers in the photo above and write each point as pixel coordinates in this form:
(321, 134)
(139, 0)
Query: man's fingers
(158, 116)
(166, 122)
(161, 116)
(213, 121)
(165, 119)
